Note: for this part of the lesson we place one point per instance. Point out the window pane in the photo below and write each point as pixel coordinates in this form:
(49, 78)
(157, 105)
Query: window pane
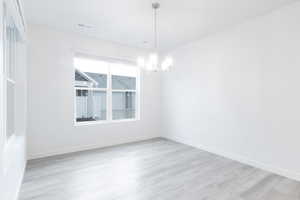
(90, 79)
(90, 105)
(123, 105)
(10, 49)
(123, 82)
(10, 121)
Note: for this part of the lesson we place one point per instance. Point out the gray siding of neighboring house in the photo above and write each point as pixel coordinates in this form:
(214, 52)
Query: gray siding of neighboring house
(91, 106)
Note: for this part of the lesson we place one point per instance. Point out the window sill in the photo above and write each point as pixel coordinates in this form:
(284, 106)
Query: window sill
(104, 122)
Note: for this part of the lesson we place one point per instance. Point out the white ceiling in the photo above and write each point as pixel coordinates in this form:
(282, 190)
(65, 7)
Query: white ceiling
(130, 21)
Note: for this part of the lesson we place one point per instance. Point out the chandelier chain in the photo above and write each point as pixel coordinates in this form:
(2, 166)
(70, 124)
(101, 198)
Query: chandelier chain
(155, 7)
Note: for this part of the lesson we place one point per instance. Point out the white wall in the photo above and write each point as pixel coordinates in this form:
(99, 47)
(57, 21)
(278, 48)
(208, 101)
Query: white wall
(12, 152)
(236, 93)
(51, 127)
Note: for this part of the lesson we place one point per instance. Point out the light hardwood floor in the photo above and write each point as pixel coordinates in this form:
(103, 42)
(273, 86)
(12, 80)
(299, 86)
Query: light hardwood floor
(156, 169)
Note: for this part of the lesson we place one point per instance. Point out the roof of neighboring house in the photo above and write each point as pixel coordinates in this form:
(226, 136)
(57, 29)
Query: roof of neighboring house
(83, 76)
(79, 77)
(100, 80)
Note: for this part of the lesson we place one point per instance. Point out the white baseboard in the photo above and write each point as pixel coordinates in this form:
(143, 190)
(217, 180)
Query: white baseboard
(79, 148)
(241, 159)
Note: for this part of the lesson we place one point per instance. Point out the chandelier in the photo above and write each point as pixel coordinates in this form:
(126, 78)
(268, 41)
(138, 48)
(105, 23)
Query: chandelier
(153, 62)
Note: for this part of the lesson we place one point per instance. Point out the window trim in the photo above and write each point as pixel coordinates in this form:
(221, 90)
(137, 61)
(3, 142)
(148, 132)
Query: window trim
(13, 10)
(109, 91)
(8, 13)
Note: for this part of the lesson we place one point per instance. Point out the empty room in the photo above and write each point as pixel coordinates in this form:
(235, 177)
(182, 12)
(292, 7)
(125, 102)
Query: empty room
(149, 100)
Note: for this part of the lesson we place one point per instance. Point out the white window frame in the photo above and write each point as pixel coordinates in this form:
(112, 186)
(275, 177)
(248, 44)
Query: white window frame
(9, 9)
(109, 92)
(9, 12)
(7, 79)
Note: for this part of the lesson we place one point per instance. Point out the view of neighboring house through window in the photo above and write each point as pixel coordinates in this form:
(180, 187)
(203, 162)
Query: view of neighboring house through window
(123, 92)
(105, 90)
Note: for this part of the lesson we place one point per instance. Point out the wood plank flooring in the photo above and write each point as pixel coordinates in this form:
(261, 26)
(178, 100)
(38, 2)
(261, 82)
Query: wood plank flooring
(156, 169)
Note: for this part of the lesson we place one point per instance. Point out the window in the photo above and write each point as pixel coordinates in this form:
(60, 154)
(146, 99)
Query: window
(11, 39)
(105, 90)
